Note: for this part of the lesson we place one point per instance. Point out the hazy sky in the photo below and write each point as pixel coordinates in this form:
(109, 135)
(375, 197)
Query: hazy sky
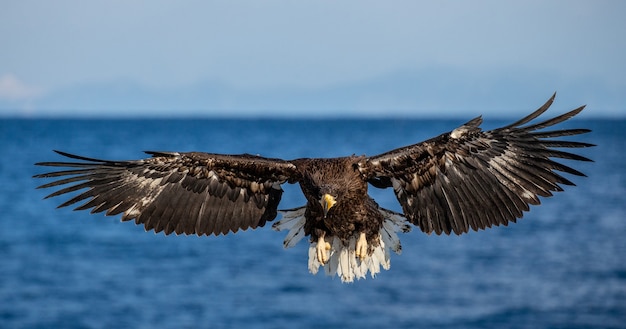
(50, 48)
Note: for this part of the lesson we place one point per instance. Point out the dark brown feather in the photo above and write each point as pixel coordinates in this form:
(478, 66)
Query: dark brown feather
(473, 179)
(183, 193)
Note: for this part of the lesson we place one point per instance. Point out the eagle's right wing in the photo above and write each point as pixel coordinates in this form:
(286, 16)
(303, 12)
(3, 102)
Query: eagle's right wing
(470, 178)
(190, 193)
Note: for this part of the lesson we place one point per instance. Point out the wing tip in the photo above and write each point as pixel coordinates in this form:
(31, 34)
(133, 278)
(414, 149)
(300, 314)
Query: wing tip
(155, 154)
(534, 114)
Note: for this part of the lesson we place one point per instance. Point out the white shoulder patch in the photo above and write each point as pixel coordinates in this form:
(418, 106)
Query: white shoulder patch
(459, 132)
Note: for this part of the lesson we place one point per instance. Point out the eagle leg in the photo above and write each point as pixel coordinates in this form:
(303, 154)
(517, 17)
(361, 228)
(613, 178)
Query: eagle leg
(322, 249)
(361, 246)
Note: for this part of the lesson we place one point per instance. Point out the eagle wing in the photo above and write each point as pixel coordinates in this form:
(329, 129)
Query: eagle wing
(190, 193)
(469, 178)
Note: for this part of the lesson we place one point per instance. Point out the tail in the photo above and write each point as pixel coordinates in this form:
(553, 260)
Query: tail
(342, 258)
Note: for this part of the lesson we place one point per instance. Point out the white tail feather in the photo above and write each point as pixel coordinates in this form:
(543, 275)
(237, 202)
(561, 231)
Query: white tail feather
(314, 264)
(342, 260)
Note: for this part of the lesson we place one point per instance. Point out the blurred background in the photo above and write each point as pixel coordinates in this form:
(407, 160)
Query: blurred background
(309, 58)
(109, 79)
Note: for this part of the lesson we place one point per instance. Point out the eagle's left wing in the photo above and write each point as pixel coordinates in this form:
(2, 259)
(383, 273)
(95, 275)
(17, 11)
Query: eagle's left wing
(190, 193)
(469, 178)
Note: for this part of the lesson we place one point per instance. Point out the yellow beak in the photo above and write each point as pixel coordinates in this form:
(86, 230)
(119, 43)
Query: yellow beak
(327, 202)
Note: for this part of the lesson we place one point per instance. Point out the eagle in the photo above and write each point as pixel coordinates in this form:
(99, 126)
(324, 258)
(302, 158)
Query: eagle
(465, 179)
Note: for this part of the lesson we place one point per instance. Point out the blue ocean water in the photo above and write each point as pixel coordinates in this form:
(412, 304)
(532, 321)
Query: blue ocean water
(562, 266)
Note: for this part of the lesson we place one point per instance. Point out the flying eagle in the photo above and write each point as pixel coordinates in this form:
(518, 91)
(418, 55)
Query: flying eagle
(460, 180)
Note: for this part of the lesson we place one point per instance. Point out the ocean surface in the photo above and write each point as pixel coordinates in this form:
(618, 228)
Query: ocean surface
(562, 266)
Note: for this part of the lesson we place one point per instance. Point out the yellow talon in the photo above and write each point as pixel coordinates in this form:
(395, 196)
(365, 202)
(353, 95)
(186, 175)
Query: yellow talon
(322, 250)
(361, 247)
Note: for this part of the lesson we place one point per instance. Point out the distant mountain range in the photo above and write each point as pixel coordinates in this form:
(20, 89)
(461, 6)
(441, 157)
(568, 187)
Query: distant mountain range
(424, 93)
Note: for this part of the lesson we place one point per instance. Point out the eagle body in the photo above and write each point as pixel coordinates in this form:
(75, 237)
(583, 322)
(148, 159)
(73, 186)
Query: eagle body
(351, 226)
(462, 180)
(340, 178)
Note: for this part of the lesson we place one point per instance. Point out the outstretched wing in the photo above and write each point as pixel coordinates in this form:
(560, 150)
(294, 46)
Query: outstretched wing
(469, 178)
(190, 193)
